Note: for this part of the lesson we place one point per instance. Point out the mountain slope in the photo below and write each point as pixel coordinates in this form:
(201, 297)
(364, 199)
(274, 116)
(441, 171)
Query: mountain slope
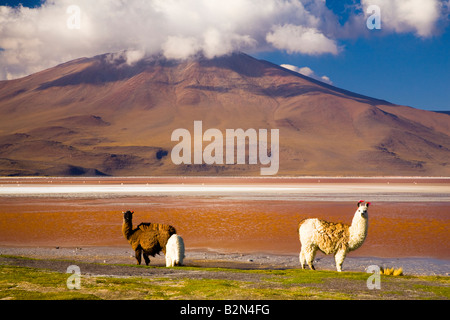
(99, 115)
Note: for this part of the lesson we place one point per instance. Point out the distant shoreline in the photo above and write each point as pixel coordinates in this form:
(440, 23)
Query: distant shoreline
(399, 189)
(222, 179)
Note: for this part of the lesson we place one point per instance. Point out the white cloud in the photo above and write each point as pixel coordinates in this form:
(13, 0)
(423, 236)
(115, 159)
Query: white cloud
(299, 39)
(418, 16)
(306, 71)
(180, 47)
(129, 57)
(32, 39)
(326, 79)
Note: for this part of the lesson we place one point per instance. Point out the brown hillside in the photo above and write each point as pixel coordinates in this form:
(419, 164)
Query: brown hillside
(97, 116)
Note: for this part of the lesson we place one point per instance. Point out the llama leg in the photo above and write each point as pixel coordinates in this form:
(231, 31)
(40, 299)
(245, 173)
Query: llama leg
(310, 255)
(301, 257)
(146, 258)
(137, 254)
(339, 258)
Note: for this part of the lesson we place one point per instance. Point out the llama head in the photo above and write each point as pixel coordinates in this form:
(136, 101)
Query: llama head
(128, 215)
(362, 209)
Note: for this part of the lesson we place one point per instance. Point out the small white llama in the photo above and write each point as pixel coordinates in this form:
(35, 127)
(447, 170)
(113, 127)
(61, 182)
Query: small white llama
(174, 251)
(332, 238)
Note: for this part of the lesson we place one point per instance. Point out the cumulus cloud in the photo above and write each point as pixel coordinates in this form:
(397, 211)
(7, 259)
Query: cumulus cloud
(418, 16)
(128, 57)
(32, 39)
(306, 71)
(299, 39)
(180, 47)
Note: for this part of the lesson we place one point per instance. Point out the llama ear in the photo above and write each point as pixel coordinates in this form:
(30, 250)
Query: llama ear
(359, 203)
(132, 211)
(367, 204)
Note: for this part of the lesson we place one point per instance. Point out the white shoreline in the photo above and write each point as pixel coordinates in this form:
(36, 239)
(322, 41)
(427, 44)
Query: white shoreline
(299, 192)
(222, 177)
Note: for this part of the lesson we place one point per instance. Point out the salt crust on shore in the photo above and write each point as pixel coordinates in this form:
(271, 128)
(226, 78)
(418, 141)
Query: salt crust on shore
(304, 190)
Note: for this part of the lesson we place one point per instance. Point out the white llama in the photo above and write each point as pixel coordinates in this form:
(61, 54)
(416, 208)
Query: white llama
(332, 238)
(174, 251)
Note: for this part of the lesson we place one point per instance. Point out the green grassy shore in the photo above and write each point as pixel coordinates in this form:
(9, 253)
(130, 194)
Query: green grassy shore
(19, 282)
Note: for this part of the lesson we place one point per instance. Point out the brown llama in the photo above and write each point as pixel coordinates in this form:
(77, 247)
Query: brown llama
(147, 239)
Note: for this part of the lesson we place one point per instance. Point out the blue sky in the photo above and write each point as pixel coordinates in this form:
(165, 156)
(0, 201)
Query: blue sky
(401, 69)
(406, 62)
(25, 3)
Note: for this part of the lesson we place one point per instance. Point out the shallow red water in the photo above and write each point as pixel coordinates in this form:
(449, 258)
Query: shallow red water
(395, 229)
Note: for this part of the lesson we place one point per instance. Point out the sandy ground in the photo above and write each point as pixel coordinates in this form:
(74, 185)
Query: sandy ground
(123, 255)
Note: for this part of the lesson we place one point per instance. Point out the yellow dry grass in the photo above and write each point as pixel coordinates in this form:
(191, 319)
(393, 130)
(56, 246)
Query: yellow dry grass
(391, 271)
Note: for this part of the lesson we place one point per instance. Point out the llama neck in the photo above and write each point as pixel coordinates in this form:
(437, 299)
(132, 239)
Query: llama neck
(127, 229)
(358, 231)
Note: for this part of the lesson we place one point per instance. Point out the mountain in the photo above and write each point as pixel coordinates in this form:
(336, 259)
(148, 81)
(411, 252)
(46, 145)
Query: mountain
(103, 116)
